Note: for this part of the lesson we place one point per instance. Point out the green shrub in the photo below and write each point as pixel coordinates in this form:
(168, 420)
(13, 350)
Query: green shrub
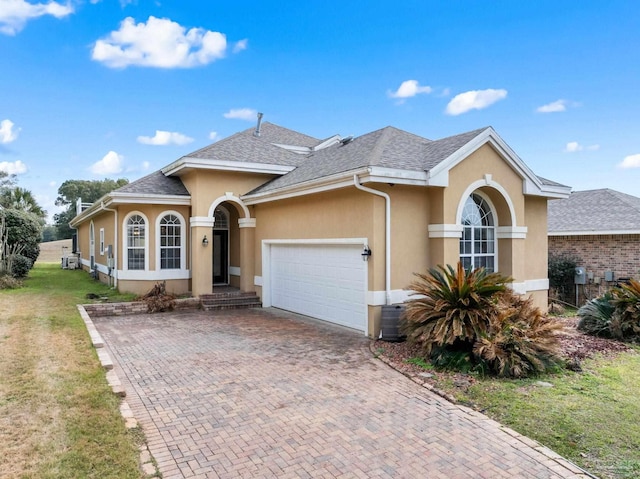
(595, 316)
(561, 273)
(522, 341)
(625, 323)
(22, 229)
(470, 321)
(20, 266)
(454, 307)
(615, 314)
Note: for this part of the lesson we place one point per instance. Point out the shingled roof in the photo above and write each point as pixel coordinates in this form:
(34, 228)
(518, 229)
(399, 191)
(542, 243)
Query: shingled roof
(154, 184)
(594, 212)
(247, 147)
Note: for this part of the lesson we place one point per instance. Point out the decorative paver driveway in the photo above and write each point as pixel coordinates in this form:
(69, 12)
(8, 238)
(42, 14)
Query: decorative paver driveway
(264, 393)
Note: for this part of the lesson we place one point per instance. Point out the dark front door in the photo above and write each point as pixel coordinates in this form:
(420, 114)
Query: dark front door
(220, 256)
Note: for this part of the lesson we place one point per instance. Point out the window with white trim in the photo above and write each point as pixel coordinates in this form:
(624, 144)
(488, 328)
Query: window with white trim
(92, 245)
(478, 242)
(170, 242)
(136, 242)
(102, 241)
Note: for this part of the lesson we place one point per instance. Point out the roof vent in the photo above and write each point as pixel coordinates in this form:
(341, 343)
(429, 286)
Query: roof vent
(346, 140)
(257, 132)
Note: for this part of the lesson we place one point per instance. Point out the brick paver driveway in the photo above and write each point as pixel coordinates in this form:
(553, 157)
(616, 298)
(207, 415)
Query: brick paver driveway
(264, 393)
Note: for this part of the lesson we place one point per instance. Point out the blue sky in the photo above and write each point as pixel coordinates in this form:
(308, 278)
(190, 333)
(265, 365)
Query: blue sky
(119, 88)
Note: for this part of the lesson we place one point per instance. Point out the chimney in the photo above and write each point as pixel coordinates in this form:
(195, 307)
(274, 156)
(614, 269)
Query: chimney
(257, 132)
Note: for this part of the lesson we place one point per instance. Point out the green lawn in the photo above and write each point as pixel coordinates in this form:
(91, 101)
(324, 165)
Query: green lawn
(591, 418)
(58, 417)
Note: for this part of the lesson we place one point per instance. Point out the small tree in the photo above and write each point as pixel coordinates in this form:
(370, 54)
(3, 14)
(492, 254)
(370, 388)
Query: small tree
(561, 272)
(22, 229)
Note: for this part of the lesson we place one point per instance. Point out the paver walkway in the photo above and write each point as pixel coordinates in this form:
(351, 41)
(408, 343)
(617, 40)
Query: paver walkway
(265, 393)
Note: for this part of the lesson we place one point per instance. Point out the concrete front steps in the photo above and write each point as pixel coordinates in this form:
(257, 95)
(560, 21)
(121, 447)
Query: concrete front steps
(229, 299)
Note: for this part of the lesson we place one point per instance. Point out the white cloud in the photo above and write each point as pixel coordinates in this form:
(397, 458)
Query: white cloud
(408, 89)
(14, 14)
(159, 43)
(474, 100)
(240, 45)
(213, 135)
(8, 131)
(574, 146)
(241, 114)
(165, 138)
(553, 107)
(109, 165)
(13, 168)
(631, 161)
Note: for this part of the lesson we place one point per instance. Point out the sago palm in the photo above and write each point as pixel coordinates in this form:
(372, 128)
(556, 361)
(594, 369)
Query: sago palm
(451, 306)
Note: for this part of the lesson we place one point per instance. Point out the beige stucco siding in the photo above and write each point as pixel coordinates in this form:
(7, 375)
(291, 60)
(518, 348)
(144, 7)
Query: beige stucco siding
(485, 161)
(345, 213)
(205, 186)
(536, 244)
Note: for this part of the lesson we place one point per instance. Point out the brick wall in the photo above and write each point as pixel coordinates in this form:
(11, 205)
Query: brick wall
(600, 253)
(136, 307)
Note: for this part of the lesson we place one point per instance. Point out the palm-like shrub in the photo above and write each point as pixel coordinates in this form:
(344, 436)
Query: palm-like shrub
(453, 307)
(521, 340)
(625, 323)
(596, 315)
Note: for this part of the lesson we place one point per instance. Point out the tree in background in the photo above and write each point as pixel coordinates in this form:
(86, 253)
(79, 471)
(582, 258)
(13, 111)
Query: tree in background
(89, 191)
(20, 199)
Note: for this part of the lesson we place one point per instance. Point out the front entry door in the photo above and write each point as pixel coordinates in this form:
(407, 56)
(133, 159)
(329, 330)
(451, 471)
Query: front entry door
(220, 256)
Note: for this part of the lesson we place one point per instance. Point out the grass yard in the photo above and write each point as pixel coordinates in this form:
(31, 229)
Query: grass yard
(58, 417)
(590, 417)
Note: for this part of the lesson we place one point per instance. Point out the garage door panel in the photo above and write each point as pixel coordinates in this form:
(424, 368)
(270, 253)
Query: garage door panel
(320, 280)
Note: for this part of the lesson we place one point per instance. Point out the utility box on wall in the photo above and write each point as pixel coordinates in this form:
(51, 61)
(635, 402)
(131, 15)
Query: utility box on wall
(581, 276)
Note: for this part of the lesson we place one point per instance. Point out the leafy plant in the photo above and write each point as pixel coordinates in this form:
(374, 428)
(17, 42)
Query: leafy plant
(625, 323)
(521, 340)
(20, 266)
(561, 272)
(454, 307)
(595, 316)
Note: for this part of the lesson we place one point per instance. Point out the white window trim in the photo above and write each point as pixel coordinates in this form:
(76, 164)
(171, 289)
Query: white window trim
(102, 241)
(183, 241)
(125, 248)
(495, 226)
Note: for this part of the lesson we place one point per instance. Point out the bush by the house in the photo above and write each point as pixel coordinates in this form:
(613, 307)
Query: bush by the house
(521, 341)
(561, 272)
(595, 316)
(615, 314)
(469, 320)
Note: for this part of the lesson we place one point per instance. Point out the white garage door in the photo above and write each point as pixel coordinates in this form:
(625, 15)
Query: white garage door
(324, 281)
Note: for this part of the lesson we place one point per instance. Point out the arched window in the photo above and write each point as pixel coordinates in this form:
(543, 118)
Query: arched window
(221, 218)
(170, 242)
(478, 242)
(136, 242)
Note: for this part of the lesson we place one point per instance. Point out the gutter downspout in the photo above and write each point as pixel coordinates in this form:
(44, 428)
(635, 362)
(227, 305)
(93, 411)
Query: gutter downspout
(387, 231)
(115, 242)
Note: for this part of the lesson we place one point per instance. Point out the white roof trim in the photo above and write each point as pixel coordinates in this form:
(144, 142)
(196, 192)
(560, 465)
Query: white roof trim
(439, 174)
(340, 180)
(224, 165)
(149, 198)
(593, 233)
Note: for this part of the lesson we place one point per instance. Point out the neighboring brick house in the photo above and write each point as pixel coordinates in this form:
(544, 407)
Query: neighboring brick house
(601, 228)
